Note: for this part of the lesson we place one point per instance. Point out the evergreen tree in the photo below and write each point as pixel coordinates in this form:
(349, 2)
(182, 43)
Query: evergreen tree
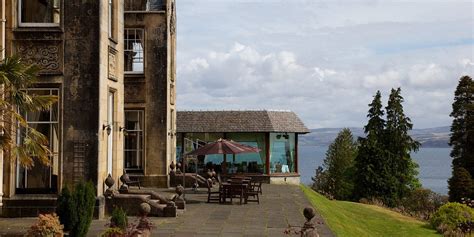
(371, 171)
(462, 130)
(339, 166)
(399, 144)
(460, 185)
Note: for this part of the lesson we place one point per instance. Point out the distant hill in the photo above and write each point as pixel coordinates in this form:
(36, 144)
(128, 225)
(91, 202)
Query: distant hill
(429, 137)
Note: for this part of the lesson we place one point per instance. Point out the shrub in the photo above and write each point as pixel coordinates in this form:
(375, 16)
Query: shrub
(119, 218)
(422, 203)
(113, 232)
(47, 225)
(66, 209)
(84, 196)
(450, 217)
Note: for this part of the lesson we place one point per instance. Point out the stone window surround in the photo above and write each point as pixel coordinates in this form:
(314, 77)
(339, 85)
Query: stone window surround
(32, 24)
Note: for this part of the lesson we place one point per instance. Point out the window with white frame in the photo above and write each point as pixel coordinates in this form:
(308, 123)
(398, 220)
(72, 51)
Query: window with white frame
(42, 178)
(134, 142)
(39, 12)
(134, 50)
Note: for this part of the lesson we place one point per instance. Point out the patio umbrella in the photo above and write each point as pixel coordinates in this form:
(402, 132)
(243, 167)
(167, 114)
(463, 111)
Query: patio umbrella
(223, 146)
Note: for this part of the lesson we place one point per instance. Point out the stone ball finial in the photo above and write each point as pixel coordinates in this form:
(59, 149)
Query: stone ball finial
(145, 208)
(109, 181)
(309, 213)
(179, 190)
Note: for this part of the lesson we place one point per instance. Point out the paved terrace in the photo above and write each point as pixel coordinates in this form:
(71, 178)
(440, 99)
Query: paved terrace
(279, 206)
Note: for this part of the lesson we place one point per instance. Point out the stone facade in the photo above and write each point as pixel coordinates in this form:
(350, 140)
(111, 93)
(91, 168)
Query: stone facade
(152, 91)
(82, 58)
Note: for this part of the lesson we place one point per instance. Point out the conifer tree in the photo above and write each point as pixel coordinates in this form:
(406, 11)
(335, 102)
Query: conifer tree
(399, 144)
(371, 173)
(462, 130)
(460, 185)
(339, 166)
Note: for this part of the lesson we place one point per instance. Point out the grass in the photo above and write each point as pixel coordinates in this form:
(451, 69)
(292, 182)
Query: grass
(357, 219)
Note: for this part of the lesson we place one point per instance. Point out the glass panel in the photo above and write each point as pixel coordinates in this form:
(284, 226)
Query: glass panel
(282, 152)
(133, 159)
(248, 162)
(144, 5)
(41, 178)
(40, 11)
(133, 50)
(134, 143)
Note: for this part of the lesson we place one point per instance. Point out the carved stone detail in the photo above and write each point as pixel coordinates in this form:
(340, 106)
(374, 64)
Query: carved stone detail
(47, 54)
(112, 64)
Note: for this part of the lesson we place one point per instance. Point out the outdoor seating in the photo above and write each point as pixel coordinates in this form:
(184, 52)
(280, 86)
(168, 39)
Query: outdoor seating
(235, 189)
(256, 186)
(252, 192)
(126, 180)
(213, 195)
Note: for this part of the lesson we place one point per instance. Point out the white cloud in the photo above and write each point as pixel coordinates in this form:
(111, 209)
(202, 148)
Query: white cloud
(324, 59)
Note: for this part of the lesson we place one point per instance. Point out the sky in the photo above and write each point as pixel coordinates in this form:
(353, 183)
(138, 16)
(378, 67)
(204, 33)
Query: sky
(324, 60)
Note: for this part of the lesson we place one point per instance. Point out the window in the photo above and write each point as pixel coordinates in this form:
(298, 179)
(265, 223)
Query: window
(111, 18)
(41, 178)
(144, 5)
(282, 152)
(134, 143)
(39, 12)
(133, 41)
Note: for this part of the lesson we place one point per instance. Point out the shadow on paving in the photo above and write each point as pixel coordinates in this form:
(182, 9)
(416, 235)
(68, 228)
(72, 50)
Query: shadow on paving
(280, 206)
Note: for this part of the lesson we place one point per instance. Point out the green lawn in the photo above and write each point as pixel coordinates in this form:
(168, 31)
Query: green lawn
(356, 219)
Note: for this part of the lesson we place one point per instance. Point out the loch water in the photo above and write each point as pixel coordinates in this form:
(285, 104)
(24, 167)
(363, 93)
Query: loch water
(434, 165)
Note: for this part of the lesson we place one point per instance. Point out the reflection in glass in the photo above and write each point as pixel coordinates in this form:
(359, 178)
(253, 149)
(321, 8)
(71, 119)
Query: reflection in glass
(282, 152)
(134, 144)
(40, 11)
(133, 53)
(41, 178)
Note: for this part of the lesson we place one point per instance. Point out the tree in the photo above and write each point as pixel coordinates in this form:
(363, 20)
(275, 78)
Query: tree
(384, 168)
(372, 171)
(15, 78)
(339, 166)
(399, 144)
(460, 185)
(462, 130)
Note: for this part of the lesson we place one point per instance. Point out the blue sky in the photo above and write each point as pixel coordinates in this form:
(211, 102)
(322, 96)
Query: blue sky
(324, 60)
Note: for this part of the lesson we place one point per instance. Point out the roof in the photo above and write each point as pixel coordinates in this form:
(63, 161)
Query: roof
(239, 121)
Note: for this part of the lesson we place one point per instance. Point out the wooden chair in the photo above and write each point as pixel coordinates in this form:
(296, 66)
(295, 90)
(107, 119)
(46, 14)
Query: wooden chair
(237, 190)
(213, 195)
(257, 186)
(252, 192)
(126, 179)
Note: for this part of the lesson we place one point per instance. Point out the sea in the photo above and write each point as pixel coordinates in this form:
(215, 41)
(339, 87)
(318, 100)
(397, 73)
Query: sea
(434, 165)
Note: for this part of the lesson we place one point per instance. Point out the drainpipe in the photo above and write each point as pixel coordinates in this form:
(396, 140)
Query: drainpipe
(2, 56)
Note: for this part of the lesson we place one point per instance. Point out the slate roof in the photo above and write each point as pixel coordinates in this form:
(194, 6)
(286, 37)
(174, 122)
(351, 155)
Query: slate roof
(239, 121)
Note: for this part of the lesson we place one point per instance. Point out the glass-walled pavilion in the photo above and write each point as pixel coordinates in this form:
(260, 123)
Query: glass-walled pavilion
(278, 154)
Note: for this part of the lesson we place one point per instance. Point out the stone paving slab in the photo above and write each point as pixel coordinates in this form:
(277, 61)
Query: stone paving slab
(280, 206)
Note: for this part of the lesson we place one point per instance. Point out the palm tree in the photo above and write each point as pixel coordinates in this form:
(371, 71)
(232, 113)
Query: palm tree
(15, 78)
